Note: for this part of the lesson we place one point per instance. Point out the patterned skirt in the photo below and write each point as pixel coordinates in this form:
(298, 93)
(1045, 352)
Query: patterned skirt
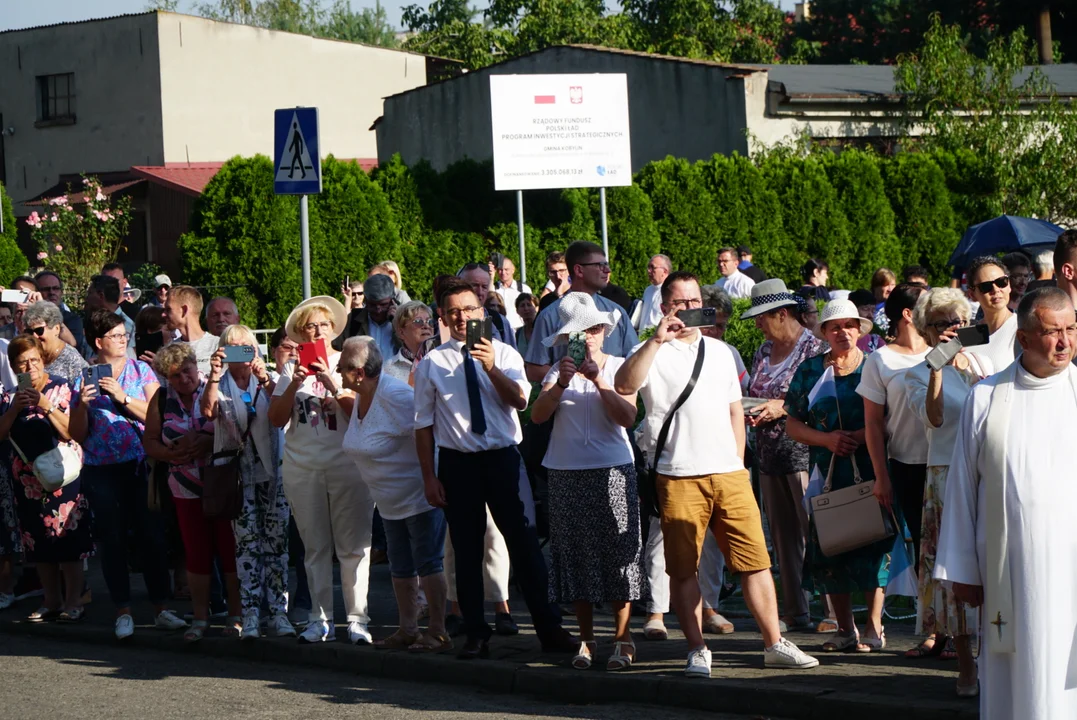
(10, 534)
(940, 611)
(596, 550)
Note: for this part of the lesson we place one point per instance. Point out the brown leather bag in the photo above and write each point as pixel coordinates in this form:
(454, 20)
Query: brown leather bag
(222, 492)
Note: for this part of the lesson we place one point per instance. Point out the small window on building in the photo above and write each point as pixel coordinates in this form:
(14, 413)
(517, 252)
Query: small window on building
(56, 97)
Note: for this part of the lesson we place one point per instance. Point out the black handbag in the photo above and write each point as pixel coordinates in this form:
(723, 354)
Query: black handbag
(648, 484)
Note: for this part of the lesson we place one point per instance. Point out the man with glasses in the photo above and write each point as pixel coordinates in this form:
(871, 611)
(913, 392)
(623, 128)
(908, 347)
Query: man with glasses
(466, 401)
(375, 317)
(590, 273)
(733, 281)
(557, 279)
(51, 288)
(183, 312)
(104, 292)
(354, 295)
(702, 485)
(478, 277)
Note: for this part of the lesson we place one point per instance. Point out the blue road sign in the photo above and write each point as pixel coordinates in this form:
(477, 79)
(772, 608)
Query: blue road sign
(296, 159)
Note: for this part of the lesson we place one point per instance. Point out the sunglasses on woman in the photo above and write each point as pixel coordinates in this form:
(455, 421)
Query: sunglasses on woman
(1002, 281)
(39, 331)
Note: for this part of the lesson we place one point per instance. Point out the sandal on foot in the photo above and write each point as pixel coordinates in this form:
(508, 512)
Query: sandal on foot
(841, 643)
(71, 616)
(870, 645)
(826, 626)
(43, 614)
(949, 650)
(233, 626)
(428, 642)
(584, 655)
(924, 650)
(718, 625)
(655, 630)
(621, 660)
(399, 640)
(196, 632)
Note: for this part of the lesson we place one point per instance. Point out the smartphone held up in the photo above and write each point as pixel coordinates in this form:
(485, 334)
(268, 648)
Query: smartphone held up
(944, 352)
(478, 329)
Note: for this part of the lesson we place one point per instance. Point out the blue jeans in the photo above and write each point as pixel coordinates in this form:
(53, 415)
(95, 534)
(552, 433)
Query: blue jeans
(416, 544)
(117, 496)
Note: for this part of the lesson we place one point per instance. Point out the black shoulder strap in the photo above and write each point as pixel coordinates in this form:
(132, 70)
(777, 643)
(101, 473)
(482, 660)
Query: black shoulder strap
(664, 433)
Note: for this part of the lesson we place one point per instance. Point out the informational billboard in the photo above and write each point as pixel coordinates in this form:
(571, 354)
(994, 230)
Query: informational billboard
(560, 131)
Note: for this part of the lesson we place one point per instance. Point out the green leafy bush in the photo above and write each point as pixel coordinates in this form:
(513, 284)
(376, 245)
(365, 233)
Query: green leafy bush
(924, 219)
(12, 262)
(743, 334)
(684, 215)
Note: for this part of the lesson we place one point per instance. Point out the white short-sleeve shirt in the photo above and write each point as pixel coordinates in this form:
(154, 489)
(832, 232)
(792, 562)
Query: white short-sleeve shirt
(583, 436)
(883, 382)
(316, 431)
(701, 440)
(441, 399)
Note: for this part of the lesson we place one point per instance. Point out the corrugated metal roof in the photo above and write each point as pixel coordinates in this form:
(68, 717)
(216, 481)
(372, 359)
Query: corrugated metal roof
(76, 22)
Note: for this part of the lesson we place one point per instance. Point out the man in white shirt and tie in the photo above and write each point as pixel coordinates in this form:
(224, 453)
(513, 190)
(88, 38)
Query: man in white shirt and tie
(658, 269)
(466, 402)
(733, 281)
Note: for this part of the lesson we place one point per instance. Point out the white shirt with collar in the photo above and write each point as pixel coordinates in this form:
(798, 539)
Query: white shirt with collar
(652, 307)
(441, 399)
(508, 294)
(8, 379)
(737, 285)
(700, 440)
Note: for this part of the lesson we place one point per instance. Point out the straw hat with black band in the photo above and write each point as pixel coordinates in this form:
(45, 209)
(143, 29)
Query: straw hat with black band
(768, 296)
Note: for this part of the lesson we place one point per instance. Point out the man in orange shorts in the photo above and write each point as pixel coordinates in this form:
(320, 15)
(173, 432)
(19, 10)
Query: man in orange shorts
(701, 480)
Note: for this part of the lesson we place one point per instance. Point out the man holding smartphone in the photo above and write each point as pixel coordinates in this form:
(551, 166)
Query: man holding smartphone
(466, 401)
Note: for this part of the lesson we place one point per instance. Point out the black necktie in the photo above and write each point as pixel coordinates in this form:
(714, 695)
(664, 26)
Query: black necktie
(474, 400)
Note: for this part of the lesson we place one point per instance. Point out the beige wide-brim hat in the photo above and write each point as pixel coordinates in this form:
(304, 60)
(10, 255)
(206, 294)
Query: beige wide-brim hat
(336, 309)
(578, 313)
(841, 310)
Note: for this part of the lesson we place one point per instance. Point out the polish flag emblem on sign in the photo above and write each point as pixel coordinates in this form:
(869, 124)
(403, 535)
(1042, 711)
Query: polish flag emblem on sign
(545, 99)
(575, 94)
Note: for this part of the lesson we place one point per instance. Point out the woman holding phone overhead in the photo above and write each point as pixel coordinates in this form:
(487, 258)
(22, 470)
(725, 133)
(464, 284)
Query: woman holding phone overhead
(107, 419)
(237, 398)
(332, 511)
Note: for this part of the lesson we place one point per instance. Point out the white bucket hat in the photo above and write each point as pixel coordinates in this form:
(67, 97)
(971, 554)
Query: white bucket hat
(339, 316)
(578, 313)
(841, 310)
(130, 293)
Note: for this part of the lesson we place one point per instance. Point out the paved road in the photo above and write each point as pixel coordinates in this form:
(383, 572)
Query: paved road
(76, 681)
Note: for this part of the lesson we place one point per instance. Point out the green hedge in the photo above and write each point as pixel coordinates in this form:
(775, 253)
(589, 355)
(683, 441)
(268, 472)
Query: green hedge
(855, 209)
(12, 262)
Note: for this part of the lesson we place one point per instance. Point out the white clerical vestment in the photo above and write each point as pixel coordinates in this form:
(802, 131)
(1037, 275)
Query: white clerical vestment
(1038, 679)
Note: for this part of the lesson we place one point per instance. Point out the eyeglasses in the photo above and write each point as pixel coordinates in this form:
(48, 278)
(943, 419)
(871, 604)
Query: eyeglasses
(39, 331)
(357, 294)
(687, 303)
(1002, 281)
(1020, 277)
(311, 327)
(249, 402)
(1070, 330)
(943, 325)
(419, 322)
(459, 312)
(604, 265)
(118, 337)
(48, 288)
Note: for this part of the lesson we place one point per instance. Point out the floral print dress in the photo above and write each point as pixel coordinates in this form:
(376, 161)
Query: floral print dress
(55, 526)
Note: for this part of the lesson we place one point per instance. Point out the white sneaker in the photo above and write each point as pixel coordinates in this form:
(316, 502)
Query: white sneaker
(319, 632)
(279, 626)
(699, 663)
(785, 654)
(125, 627)
(6, 600)
(252, 629)
(358, 634)
(168, 620)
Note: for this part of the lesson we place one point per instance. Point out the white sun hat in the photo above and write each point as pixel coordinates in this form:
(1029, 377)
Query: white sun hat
(841, 310)
(578, 313)
(338, 315)
(131, 294)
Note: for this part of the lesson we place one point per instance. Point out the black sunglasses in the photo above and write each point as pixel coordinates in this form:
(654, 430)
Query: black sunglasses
(39, 331)
(1002, 281)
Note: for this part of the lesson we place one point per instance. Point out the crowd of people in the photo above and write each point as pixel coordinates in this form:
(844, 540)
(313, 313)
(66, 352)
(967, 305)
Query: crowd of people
(402, 432)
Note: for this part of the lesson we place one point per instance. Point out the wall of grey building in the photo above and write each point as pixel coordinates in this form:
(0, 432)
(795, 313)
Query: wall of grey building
(117, 101)
(684, 109)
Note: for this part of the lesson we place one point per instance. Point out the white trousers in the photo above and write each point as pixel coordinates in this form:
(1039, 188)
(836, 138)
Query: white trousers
(711, 571)
(333, 511)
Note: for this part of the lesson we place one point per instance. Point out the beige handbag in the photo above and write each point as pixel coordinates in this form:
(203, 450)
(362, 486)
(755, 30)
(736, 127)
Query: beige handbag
(849, 518)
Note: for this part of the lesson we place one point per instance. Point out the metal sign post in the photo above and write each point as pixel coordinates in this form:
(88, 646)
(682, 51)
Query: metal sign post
(520, 226)
(298, 167)
(605, 227)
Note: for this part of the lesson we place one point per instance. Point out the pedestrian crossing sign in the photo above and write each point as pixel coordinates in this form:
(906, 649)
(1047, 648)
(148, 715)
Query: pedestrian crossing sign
(297, 164)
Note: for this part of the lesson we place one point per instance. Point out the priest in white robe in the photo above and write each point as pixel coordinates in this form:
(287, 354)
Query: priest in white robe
(1008, 541)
